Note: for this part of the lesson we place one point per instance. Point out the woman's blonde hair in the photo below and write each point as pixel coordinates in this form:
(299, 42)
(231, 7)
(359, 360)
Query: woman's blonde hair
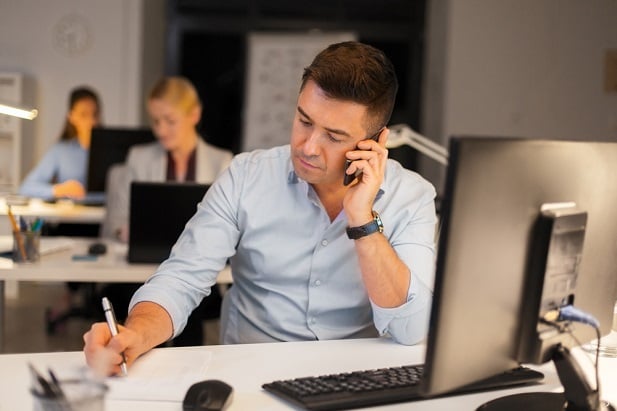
(177, 91)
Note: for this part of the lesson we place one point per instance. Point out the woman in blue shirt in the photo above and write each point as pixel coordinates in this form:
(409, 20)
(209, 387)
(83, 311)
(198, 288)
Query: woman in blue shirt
(62, 171)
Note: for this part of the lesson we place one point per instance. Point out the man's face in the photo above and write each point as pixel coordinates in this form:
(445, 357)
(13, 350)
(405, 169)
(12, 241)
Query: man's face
(323, 130)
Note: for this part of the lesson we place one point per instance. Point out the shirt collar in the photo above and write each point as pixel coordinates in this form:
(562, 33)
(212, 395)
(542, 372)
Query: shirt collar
(292, 178)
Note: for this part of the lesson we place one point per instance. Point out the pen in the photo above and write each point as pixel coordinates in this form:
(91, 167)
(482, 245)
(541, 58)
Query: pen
(113, 328)
(36, 226)
(22, 224)
(17, 232)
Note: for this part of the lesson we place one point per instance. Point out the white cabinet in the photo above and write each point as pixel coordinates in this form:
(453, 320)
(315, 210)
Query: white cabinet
(10, 134)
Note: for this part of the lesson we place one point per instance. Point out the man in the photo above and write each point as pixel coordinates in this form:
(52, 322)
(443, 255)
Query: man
(309, 255)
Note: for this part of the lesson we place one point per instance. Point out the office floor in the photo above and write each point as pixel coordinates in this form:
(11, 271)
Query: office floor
(25, 326)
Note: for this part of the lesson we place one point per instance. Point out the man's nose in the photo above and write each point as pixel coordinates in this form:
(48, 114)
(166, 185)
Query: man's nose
(311, 144)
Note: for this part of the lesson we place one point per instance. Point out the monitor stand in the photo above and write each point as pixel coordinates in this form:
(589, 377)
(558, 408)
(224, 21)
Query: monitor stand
(577, 395)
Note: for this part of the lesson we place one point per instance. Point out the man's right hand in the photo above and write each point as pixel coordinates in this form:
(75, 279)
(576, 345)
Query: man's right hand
(104, 353)
(147, 326)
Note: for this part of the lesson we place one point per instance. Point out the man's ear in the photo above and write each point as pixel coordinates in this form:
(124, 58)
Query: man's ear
(383, 136)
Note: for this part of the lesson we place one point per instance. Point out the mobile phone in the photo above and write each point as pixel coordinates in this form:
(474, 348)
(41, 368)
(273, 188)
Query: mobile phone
(349, 178)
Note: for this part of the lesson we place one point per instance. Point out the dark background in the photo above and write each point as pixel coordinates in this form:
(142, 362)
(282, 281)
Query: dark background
(207, 44)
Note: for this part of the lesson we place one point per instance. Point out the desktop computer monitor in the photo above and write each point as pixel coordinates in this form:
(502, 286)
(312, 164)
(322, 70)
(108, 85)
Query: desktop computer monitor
(486, 272)
(109, 146)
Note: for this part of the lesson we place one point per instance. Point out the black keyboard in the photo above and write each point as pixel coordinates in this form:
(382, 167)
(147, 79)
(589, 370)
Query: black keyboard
(378, 387)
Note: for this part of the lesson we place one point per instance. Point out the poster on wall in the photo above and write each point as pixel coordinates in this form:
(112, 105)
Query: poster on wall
(274, 70)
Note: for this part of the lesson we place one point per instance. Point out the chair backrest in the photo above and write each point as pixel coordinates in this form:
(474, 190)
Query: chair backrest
(114, 216)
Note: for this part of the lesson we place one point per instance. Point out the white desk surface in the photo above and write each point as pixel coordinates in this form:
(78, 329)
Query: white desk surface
(63, 211)
(111, 267)
(247, 367)
(108, 268)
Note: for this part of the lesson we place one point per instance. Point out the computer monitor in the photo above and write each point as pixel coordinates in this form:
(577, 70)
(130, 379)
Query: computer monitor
(494, 193)
(109, 146)
(158, 213)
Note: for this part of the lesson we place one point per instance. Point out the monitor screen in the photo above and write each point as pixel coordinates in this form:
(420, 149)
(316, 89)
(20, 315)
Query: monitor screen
(158, 213)
(110, 146)
(493, 196)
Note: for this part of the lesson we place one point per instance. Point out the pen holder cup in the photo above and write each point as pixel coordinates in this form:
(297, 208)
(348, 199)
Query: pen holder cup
(26, 246)
(78, 395)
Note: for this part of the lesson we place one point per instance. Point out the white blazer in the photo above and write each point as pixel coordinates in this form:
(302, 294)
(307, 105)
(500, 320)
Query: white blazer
(148, 162)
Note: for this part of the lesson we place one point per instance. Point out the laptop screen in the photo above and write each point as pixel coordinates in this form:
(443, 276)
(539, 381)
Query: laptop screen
(158, 213)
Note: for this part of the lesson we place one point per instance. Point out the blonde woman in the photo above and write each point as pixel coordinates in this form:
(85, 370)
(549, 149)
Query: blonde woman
(179, 154)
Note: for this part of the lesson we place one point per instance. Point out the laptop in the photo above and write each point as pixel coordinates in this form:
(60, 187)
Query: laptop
(158, 213)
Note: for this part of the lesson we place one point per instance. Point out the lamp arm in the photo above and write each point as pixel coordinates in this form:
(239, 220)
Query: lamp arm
(401, 134)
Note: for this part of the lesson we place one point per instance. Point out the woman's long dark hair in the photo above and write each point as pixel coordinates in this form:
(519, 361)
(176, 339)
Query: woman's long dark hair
(77, 94)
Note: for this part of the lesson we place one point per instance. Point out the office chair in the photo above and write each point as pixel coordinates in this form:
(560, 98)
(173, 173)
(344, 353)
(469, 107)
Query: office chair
(87, 310)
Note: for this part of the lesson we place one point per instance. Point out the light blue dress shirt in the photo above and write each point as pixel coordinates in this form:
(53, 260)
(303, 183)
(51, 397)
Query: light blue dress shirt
(296, 274)
(65, 160)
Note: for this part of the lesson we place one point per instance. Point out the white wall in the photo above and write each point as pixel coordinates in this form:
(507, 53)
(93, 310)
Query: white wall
(60, 44)
(525, 68)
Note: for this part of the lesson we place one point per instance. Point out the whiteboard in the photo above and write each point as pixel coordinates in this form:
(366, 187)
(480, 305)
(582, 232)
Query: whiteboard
(275, 65)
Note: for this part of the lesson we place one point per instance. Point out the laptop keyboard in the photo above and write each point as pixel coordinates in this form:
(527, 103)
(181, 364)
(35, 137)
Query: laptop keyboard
(377, 387)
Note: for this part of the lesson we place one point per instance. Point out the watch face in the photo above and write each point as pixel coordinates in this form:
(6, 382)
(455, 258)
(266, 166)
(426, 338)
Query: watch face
(377, 220)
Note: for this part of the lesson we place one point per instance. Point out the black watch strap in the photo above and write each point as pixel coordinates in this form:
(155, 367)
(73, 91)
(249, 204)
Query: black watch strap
(375, 226)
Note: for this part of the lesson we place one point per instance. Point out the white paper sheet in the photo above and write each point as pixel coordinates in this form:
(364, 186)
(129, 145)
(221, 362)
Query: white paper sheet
(161, 375)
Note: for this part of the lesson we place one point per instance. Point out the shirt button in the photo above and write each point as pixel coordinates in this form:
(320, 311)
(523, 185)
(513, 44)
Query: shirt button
(318, 283)
(313, 320)
(324, 242)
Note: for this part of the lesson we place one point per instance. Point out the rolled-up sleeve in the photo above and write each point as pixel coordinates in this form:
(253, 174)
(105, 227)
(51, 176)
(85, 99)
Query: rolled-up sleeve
(413, 238)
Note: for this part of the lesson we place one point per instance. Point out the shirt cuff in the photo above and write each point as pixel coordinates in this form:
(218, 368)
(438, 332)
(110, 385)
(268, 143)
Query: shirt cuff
(151, 293)
(408, 323)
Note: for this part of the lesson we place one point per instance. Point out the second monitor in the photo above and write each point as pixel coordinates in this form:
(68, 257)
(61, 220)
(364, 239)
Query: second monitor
(158, 213)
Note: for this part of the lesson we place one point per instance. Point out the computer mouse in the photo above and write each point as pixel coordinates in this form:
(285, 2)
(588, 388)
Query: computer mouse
(208, 395)
(97, 249)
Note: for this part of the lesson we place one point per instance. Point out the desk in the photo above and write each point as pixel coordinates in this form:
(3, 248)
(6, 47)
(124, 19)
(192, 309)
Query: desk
(247, 366)
(59, 266)
(60, 212)
(64, 212)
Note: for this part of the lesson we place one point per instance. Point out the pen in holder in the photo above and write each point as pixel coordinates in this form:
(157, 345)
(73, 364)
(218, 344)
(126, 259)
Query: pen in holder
(26, 239)
(18, 242)
(26, 246)
(53, 394)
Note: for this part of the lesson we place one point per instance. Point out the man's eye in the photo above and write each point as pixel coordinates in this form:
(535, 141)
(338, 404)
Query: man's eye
(304, 122)
(333, 139)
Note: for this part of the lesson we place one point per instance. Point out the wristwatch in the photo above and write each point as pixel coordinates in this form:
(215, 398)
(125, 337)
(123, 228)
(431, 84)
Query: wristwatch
(369, 228)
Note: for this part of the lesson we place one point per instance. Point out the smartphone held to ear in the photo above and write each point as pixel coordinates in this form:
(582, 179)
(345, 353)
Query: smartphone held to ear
(349, 178)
